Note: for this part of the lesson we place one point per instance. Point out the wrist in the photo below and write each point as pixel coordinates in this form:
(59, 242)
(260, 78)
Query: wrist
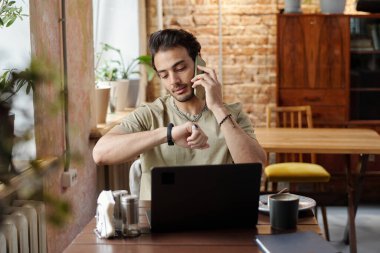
(220, 112)
(160, 135)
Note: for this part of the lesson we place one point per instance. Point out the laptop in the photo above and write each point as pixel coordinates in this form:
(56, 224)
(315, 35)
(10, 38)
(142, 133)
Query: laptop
(204, 197)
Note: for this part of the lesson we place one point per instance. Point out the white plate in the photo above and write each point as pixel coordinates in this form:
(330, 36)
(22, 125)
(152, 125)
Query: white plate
(304, 204)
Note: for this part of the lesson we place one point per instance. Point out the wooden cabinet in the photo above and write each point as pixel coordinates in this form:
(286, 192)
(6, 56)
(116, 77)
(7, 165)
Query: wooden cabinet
(332, 62)
(313, 64)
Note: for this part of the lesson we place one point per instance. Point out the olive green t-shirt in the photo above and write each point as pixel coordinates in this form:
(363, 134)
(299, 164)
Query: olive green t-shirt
(159, 114)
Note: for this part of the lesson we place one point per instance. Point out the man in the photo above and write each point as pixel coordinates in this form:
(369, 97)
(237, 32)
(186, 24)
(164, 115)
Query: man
(180, 128)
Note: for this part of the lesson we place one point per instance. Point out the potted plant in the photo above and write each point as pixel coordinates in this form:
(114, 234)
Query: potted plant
(118, 75)
(292, 6)
(11, 82)
(332, 7)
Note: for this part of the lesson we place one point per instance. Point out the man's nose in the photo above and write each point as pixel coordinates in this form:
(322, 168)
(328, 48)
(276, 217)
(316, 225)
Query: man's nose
(174, 78)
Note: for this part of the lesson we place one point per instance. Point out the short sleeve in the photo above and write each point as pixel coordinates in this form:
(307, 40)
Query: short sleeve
(138, 120)
(242, 119)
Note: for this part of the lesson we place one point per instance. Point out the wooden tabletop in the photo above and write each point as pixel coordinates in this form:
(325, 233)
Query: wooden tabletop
(229, 240)
(319, 140)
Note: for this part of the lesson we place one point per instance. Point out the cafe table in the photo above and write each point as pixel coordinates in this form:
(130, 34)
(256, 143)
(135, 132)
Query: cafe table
(348, 141)
(207, 241)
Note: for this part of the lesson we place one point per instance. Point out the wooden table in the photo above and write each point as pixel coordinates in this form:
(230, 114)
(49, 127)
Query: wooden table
(231, 240)
(328, 141)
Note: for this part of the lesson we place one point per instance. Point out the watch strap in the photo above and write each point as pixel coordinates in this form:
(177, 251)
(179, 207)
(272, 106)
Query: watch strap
(169, 134)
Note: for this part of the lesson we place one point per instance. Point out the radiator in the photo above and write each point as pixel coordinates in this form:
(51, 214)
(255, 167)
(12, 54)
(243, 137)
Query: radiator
(3, 246)
(9, 231)
(28, 219)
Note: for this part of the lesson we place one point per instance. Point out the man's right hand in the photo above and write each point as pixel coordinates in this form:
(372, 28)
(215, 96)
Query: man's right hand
(189, 135)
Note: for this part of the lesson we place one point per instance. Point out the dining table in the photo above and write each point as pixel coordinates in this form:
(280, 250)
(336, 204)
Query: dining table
(347, 141)
(201, 241)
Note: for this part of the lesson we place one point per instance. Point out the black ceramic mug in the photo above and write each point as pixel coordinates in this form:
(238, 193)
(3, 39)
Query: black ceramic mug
(283, 211)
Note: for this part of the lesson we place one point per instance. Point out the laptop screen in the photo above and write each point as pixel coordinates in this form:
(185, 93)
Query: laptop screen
(205, 197)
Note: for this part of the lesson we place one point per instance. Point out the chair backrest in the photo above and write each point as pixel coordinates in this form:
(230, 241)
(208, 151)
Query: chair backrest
(291, 117)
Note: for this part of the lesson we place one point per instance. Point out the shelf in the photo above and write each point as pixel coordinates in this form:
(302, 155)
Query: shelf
(365, 89)
(364, 51)
(30, 175)
(364, 122)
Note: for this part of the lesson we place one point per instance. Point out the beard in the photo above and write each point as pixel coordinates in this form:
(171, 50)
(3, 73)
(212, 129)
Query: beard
(183, 97)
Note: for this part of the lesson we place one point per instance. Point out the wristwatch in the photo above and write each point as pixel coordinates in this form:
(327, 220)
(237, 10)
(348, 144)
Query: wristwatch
(169, 134)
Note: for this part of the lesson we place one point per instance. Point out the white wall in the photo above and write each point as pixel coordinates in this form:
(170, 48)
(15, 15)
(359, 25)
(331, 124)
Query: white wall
(116, 23)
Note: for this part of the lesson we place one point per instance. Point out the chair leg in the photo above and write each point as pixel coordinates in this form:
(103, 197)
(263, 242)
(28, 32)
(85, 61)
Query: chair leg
(325, 223)
(266, 185)
(320, 187)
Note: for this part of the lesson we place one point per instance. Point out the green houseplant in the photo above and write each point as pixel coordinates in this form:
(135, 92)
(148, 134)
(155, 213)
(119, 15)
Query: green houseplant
(9, 13)
(11, 82)
(116, 74)
(117, 69)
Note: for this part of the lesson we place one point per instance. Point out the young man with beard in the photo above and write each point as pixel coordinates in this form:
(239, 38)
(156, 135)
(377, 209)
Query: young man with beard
(180, 128)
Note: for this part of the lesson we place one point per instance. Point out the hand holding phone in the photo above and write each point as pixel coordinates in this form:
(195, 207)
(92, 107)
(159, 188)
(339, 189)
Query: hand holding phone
(199, 90)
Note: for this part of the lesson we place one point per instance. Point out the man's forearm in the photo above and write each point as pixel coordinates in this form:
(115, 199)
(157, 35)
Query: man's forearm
(242, 147)
(118, 147)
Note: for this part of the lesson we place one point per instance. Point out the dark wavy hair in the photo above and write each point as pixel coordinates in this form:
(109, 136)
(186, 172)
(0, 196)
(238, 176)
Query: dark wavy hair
(171, 38)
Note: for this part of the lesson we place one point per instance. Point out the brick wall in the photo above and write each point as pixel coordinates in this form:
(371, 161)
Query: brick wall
(248, 44)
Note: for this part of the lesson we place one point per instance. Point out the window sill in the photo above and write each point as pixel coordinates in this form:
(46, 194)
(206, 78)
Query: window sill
(30, 173)
(112, 120)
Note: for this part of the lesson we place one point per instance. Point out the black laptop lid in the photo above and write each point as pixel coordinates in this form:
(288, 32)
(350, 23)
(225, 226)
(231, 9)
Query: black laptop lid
(205, 197)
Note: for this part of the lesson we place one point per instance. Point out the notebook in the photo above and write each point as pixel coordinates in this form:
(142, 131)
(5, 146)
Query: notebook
(204, 197)
(300, 242)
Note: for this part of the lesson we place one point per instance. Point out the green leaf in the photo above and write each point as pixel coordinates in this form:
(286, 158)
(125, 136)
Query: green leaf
(1, 22)
(146, 59)
(10, 22)
(150, 71)
(28, 88)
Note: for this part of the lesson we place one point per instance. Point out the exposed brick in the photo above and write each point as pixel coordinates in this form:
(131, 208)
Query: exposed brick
(206, 20)
(248, 44)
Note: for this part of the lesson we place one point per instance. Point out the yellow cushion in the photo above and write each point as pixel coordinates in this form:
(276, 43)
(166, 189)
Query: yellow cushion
(296, 172)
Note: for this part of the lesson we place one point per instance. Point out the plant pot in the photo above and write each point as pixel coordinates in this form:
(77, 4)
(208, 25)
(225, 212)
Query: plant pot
(6, 139)
(332, 6)
(119, 95)
(133, 92)
(292, 6)
(102, 97)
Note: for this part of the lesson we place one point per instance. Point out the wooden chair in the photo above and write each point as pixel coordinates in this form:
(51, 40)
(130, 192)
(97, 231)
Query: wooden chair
(295, 168)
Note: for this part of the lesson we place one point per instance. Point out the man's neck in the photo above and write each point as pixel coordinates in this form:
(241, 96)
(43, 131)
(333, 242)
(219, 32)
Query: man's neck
(193, 106)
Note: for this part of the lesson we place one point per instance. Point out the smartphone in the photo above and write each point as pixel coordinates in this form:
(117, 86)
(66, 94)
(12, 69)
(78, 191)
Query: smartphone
(199, 90)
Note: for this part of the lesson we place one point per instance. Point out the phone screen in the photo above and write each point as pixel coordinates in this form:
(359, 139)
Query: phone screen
(199, 90)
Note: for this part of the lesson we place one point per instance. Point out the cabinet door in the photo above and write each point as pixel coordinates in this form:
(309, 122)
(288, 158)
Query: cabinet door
(313, 51)
(313, 65)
